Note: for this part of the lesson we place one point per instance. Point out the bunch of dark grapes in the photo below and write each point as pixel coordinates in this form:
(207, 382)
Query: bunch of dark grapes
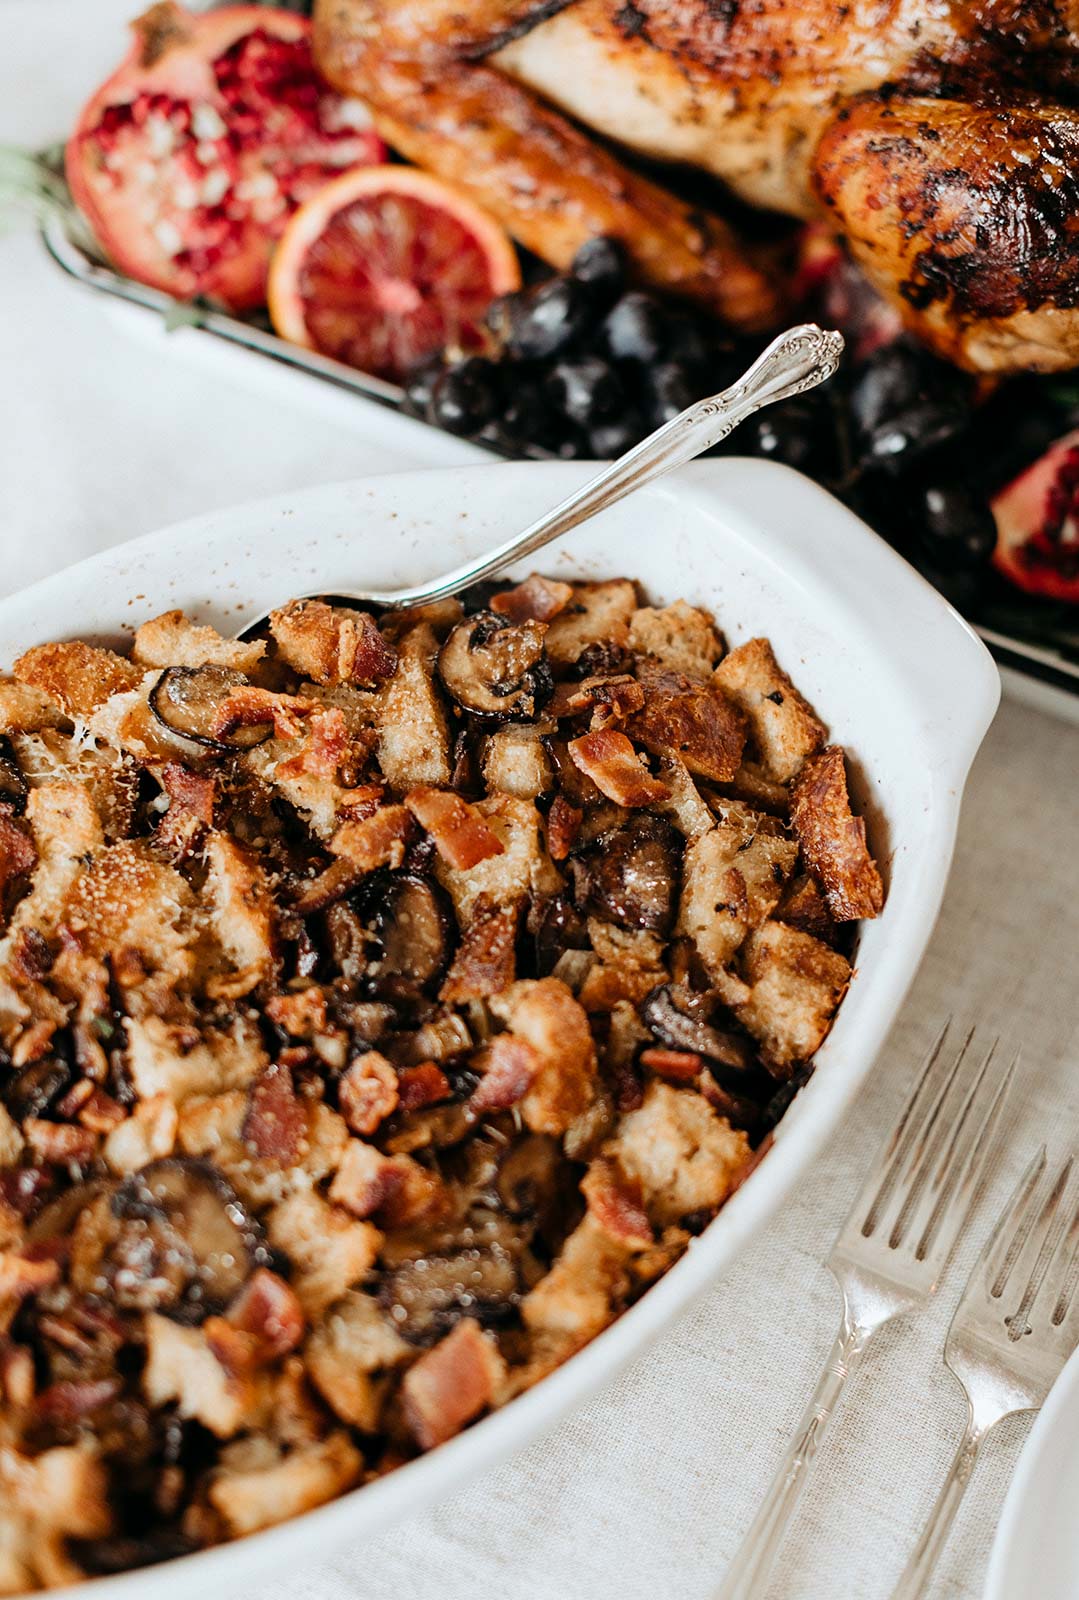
(583, 365)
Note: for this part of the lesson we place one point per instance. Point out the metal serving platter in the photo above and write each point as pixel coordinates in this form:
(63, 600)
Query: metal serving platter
(1040, 675)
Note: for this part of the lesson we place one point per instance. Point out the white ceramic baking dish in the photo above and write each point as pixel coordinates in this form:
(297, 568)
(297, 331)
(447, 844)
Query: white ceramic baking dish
(901, 680)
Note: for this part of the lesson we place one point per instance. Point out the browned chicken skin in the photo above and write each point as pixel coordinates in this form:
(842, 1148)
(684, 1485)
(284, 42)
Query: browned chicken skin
(935, 133)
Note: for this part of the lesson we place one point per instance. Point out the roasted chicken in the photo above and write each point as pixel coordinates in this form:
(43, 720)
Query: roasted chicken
(937, 135)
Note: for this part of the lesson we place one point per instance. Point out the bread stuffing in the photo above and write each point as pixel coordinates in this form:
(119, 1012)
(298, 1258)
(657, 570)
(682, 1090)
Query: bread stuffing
(385, 1003)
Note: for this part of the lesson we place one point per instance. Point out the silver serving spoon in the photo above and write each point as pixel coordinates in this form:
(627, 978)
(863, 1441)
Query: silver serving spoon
(794, 362)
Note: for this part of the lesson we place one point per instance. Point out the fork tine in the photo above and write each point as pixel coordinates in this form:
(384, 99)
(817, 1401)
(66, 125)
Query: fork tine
(962, 1167)
(1042, 1245)
(1067, 1273)
(878, 1189)
(922, 1152)
(1015, 1226)
(996, 1249)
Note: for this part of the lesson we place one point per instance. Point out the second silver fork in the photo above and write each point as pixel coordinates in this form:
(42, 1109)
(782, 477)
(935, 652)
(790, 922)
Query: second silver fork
(888, 1258)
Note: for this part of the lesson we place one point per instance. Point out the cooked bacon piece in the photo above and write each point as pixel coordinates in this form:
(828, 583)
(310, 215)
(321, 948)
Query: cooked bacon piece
(73, 1400)
(462, 837)
(249, 707)
(422, 1085)
(485, 962)
(375, 841)
(395, 1190)
(361, 802)
(694, 721)
(536, 599)
(190, 792)
(609, 759)
(332, 644)
(60, 1142)
(833, 839)
(100, 1112)
(324, 748)
(614, 1200)
(509, 1068)
(367, 1092)
(76, 676)
(301, 1012)
(451, 1384)
(263, 1323)
(563, 826)
(608, 699)
(17, 853)
(786, 729)
(275, 1125)
(683, 1066)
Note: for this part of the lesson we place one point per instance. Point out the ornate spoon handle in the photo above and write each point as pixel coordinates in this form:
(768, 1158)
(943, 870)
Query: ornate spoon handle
(794, 362)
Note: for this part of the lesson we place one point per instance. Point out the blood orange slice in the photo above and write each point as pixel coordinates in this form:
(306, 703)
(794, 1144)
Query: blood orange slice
(386, 265)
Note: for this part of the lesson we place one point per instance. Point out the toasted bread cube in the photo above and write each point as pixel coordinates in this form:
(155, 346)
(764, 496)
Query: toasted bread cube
(679, 636)
(516, 762)
(181, 1367)
(598, 613)
(332, 644)
(163, 1060)
(691, 720)
(833, 838)
(66, 829)
(414, 740)
(523, 868)
(148, 1134)
(173, 640)
(75, 676)
(796, 983)
(730, 883)
(583, 1291)
(785, 727)
(250, 1497)
(544, 1014)
(11, 1140)
(685, 1157)
(26, 710)
(802, 905)
(242, 904)
(348, 1356)
(329, 1251)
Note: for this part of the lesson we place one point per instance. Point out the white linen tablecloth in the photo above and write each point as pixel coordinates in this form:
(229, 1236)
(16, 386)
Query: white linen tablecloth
(645, 1493)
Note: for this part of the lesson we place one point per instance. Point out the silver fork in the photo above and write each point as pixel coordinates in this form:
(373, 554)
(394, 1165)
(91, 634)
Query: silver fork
(888, 1258)
(1015, 1327)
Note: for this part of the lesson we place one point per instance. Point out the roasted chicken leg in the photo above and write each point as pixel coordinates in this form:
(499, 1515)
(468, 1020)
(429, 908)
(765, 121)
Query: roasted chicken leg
(936, 134)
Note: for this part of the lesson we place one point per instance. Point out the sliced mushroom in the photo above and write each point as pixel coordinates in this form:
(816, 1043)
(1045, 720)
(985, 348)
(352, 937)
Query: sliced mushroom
(631, 875)
(14, 789)
(557, 926)
(409, 919)
(57, 1219)
(187, 700)
(678, 1020)
(37, 1087)
(182, 1240)
(425, 1297)
(533, 1178)
(496, 671)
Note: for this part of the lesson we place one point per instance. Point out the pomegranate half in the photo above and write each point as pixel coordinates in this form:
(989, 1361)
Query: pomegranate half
(190, 159)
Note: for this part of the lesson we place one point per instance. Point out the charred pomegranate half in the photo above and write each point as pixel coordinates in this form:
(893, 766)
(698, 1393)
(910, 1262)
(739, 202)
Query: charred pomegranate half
(1037, 519)
(190, 159)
